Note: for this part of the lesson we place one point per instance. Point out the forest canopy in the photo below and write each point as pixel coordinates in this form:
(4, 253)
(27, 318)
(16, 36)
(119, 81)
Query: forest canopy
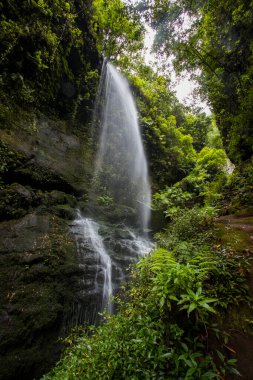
(213, 40)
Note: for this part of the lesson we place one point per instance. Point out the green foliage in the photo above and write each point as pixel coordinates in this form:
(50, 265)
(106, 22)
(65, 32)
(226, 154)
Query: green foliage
(196, 302)
(198, 126)
(168, 313)
(193, 221)
(237, 193)
(213, 190)
(228, 278)
(171, 200)
(105, 200)
(212, 160)
(208, 174)
(192, 238)
(213, 137)
(213, 40)
(118, 31)
(203, 184)
(173, 282)
(47, 50)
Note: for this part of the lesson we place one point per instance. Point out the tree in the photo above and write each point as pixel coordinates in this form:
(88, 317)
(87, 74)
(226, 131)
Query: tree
(215, 37)
(169, 146)
(48, 55)
(118, 31)
(198, 127)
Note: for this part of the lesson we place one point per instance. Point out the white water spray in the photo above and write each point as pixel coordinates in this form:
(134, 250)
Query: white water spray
(121, 166)
(121, 176)
(103, 260)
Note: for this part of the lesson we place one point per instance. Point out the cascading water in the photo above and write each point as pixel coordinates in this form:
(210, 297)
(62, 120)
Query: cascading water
(121, 165)
(119, 198)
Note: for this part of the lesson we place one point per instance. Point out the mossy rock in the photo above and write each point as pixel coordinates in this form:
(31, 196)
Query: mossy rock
(65, 211)
(56, 197)
(39, 283)
(16, 201)
(53, 158)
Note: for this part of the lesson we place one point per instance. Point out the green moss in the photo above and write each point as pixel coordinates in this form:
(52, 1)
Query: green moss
(9, 158)
(65, 211)
(16, 118)
(49, 63)
(238, 240)
(59, 197)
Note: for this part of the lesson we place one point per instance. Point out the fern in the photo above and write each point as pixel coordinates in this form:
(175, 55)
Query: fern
(162, 258)
(204, 262)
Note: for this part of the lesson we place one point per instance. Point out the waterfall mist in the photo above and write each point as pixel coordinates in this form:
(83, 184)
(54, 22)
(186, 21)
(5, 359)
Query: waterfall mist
(121, 167)
(112, 237)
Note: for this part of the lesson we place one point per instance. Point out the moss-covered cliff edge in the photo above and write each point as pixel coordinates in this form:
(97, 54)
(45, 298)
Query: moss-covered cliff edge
(45, 172)
(49, 74)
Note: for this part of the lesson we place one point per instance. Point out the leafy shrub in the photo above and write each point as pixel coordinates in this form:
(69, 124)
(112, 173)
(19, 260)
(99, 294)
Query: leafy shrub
(202, 185)
(238, 190)
(105, 200)
(193, 222)
(212, 160)
(171, 200)
(212, 191)
(191, 238)
(161, 328)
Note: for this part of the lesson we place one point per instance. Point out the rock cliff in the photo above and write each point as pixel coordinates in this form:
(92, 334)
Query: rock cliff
(45, 175)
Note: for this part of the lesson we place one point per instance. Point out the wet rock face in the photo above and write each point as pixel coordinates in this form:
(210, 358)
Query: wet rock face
(38, 283)
(44, 173)
(236, 231)
(45, 163)
(123, 246)
(52, 157)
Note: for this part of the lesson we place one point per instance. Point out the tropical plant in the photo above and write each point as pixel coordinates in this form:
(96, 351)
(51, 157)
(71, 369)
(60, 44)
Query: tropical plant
(197, 302)
(213, 41)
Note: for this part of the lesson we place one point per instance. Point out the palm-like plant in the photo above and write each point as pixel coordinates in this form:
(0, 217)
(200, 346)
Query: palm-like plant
(196, 301)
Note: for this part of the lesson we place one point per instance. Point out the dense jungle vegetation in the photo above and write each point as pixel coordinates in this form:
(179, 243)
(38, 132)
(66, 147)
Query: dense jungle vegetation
(188, 303)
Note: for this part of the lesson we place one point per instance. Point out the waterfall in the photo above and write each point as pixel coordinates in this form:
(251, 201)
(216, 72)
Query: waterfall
(121, 166)
(92, 238)
(113, 234)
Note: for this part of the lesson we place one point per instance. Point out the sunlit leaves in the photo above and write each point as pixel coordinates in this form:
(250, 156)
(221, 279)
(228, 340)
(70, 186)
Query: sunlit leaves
(117, 30)
(215, 37)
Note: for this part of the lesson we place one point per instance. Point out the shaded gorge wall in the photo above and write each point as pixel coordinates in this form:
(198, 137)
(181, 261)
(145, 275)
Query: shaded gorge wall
(45, 176)
(43, 182)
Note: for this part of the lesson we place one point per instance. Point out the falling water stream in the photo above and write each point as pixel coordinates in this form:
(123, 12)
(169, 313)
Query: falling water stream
(121, 165)
(107, 247)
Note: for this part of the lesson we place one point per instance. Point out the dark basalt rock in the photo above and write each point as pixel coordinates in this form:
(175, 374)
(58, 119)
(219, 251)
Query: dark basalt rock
(44, 173)
(38, 284)
(124, 247)
(45, 166)
(51, 158)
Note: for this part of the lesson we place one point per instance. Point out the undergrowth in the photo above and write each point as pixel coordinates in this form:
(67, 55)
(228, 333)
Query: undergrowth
(168, 321)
